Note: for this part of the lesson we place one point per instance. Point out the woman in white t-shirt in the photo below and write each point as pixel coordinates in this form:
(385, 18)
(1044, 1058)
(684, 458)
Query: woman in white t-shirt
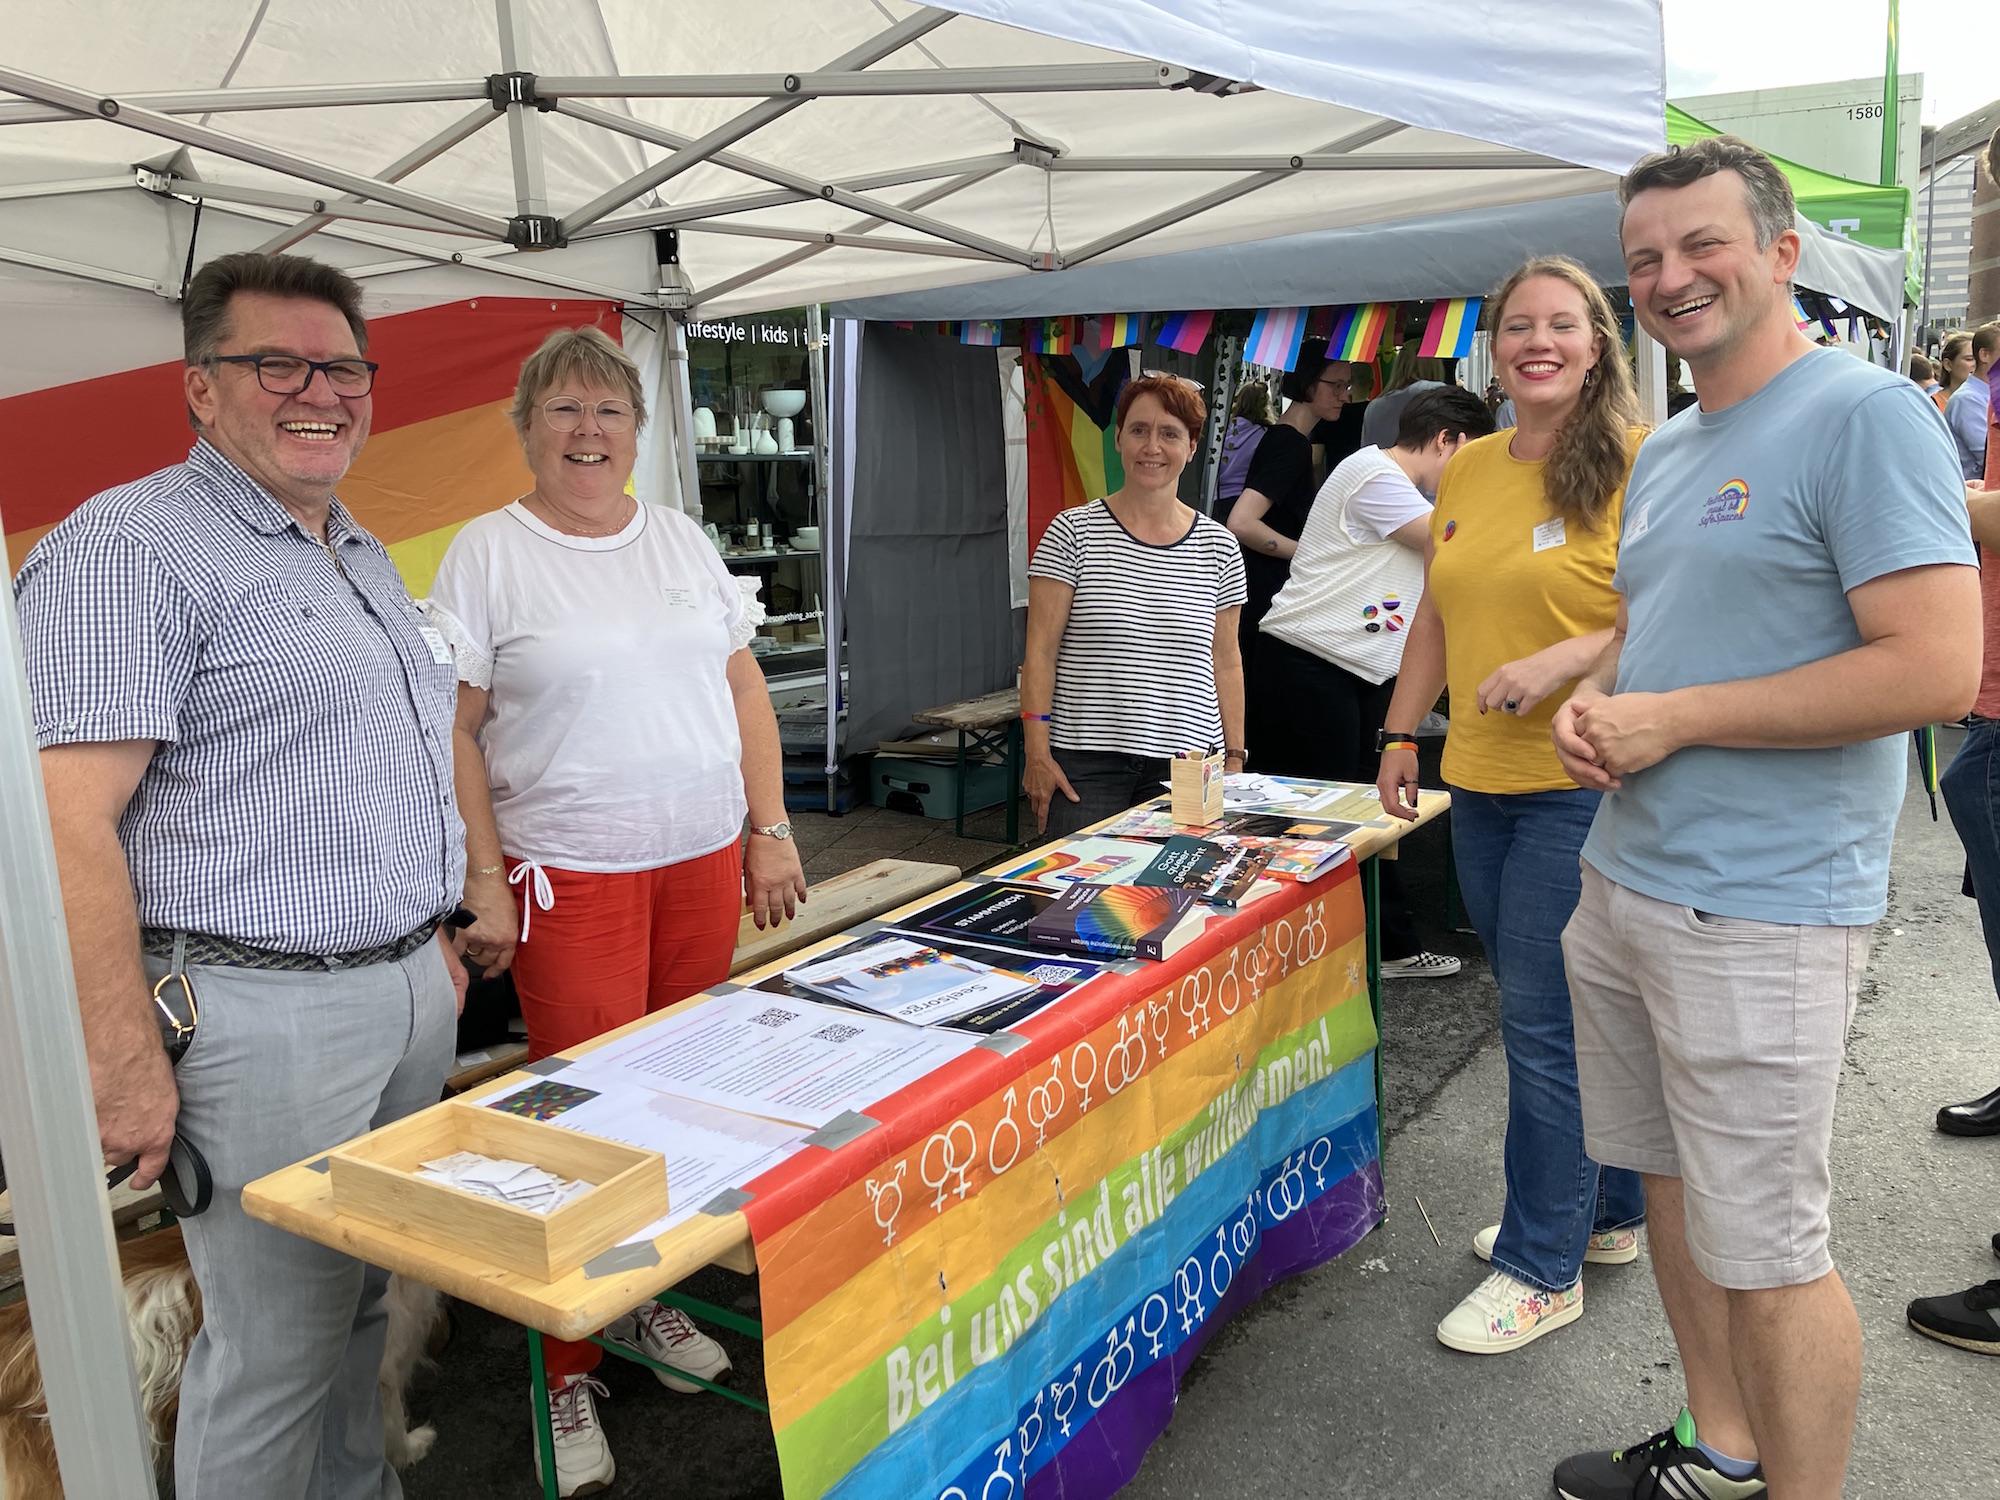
(613, 729)
(1132, 606)
(1333, 638)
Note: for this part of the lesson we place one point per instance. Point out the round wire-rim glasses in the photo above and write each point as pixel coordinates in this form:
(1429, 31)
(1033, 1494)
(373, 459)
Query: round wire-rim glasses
(289, 375)
(565, 414)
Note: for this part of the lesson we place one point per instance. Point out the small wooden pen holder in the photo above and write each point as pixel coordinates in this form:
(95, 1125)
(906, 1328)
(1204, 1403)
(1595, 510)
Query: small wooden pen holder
(1196, 789)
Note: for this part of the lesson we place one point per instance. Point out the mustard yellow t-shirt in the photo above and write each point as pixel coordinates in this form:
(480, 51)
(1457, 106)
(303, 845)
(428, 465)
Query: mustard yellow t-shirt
(1509, 578)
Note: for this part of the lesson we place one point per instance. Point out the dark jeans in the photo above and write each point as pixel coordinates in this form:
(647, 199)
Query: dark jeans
(1971, 787)
(1519, 871)
(1311, 718)
(1107, 782)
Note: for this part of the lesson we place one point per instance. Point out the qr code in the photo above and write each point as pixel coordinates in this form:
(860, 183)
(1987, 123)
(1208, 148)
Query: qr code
(837, 1032)
(774, 1018)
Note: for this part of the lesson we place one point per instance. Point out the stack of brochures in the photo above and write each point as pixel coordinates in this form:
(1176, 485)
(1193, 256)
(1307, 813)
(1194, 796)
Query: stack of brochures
(912, 981)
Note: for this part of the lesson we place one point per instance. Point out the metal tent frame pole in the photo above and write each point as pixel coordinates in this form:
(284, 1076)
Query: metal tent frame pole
(48, 1130)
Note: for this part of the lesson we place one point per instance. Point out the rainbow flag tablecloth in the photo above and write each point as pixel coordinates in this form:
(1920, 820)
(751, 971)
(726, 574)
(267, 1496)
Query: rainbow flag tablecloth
(996, 1290)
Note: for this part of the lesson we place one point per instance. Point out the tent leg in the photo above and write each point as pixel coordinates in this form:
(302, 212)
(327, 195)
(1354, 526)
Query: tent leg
(48, 1129)
(679, 394)
(1651, 359)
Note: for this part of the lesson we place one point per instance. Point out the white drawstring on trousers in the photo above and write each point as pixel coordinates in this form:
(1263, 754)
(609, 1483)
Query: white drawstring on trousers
(536, 892)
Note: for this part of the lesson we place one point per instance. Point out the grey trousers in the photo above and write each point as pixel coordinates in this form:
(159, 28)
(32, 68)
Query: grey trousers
(1106, 783)
(279, 1399)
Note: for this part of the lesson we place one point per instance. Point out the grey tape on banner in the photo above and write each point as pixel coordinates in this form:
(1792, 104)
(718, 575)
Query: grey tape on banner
(842, 1128)
(727, 987)
(1128, 966)
(546, 1067)
(726, 1202)
(622, 1258)
(1006, 1043)
(866, 929)
(317, 1166)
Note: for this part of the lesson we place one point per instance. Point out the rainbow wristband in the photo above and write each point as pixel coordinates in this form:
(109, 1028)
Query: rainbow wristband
(1038, 718)
(1399, 744)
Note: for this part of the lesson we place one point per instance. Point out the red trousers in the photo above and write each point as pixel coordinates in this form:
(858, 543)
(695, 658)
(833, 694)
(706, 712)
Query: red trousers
(611, 948)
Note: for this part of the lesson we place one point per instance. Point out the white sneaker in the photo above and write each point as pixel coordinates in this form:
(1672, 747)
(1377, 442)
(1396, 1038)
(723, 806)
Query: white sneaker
(1502, 1314)
(1614, 1247)
(1420, 966)
(668, 1335)
(583, 1457)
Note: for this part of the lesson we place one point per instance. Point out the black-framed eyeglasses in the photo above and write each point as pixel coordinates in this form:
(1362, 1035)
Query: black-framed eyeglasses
(565, 414)
(1340, 385)
(289, 375)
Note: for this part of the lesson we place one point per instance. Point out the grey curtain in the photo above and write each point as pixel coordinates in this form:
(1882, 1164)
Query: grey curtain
(929, 620)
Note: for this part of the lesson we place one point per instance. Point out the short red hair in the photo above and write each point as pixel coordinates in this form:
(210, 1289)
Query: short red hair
(1181, 398)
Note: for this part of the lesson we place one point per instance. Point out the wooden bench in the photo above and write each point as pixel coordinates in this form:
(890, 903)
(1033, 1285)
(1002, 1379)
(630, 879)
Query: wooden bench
(837, 904)
(984, 726)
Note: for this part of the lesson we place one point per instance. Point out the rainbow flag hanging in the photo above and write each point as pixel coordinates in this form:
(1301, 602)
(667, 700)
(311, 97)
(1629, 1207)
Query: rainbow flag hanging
(974, 331)
(1121, 330)
(1275, 335)
(1449, 334)
(1186, 331)
(1799, 314)
(1357, 331)
(1047, 335)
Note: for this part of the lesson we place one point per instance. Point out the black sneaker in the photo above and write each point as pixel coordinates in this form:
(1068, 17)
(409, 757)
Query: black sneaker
(1667, 1466)
(1967, 1320)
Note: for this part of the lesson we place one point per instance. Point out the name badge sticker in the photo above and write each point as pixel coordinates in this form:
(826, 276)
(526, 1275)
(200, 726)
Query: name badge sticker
(1641, 523)
(440, 652)
(1549, 534)
(677, 598)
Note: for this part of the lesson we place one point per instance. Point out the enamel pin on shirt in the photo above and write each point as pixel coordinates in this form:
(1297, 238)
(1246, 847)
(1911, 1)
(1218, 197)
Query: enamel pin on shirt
(1549, 534)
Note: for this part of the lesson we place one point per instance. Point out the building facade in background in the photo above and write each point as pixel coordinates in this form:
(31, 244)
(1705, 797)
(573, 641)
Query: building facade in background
(1831, 127)
(1945, 232)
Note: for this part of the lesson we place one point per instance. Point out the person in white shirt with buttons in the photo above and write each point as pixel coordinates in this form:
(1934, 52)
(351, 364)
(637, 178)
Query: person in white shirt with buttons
(613, 730)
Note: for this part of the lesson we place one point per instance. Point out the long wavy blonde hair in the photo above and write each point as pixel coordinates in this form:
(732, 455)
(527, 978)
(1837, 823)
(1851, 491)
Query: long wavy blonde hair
(1593, 452)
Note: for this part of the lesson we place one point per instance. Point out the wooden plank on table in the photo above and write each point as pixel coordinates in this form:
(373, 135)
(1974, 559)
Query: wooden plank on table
(989, 712)
(838, 904)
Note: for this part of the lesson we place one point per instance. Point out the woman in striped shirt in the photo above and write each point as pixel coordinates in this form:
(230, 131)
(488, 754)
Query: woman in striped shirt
(1132, 609)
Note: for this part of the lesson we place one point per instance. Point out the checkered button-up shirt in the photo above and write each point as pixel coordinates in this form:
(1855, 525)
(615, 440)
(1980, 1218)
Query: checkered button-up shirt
(301, 795)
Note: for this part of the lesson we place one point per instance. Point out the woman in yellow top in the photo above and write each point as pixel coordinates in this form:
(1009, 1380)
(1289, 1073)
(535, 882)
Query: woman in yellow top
(1517, 603)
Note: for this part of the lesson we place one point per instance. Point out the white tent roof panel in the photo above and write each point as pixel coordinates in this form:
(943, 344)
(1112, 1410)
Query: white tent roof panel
(854, 183)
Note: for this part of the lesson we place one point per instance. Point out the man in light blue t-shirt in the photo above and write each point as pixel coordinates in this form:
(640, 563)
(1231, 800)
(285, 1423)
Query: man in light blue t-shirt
(1799, 589)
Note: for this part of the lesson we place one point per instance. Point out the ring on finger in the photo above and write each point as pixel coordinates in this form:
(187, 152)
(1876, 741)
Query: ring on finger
(1512, 705)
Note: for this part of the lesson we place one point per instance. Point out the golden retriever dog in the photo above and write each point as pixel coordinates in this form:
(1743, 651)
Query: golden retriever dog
(163, 1313)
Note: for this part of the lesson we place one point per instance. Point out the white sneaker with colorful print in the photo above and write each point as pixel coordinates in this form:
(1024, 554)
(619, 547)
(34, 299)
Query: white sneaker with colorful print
(1614, 1247)
(1503, 1313)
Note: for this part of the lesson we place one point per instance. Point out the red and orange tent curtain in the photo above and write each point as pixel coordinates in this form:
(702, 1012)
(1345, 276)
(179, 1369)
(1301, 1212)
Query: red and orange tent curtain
(441, 448)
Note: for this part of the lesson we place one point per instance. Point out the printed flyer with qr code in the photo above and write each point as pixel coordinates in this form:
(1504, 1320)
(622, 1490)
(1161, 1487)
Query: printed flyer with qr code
(784, 1058)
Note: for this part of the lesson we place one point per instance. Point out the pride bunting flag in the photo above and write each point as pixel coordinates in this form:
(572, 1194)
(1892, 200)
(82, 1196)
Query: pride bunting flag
(1186, 331)
(1047, 335)
(1275, 335)
(1357, 331)
(1121, 330)
(1449, 334)
(976, 332)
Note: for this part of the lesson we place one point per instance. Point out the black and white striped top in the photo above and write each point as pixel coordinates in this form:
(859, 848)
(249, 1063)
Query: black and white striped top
(1136, 672)
(301, 795)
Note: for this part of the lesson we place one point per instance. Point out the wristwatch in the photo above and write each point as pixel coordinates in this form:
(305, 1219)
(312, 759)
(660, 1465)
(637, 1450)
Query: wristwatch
(1384, 738)
(774, 831)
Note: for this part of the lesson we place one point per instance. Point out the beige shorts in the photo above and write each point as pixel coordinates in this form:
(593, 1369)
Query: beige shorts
(1708, 1049)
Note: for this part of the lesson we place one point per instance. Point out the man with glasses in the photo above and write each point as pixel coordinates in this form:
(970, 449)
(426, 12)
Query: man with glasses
(246, 744)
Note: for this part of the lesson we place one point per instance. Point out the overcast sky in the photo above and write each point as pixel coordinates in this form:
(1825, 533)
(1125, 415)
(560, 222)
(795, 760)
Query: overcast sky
(1722, 46)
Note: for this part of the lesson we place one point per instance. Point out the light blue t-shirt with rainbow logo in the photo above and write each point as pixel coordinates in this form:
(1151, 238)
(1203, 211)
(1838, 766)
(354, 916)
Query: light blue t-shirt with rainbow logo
(1743, 531)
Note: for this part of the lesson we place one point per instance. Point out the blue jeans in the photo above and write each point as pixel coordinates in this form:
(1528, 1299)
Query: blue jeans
(1971, 787)
(1519, 872)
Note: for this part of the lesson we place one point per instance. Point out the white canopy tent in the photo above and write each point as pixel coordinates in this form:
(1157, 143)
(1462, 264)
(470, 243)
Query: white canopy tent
(803, 152)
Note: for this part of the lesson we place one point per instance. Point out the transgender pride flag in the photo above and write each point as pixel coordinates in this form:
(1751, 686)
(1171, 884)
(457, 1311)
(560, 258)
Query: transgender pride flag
(1275, 335)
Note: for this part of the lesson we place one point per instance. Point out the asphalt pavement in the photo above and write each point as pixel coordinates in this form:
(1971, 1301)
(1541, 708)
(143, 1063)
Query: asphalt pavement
(1334, 1385)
